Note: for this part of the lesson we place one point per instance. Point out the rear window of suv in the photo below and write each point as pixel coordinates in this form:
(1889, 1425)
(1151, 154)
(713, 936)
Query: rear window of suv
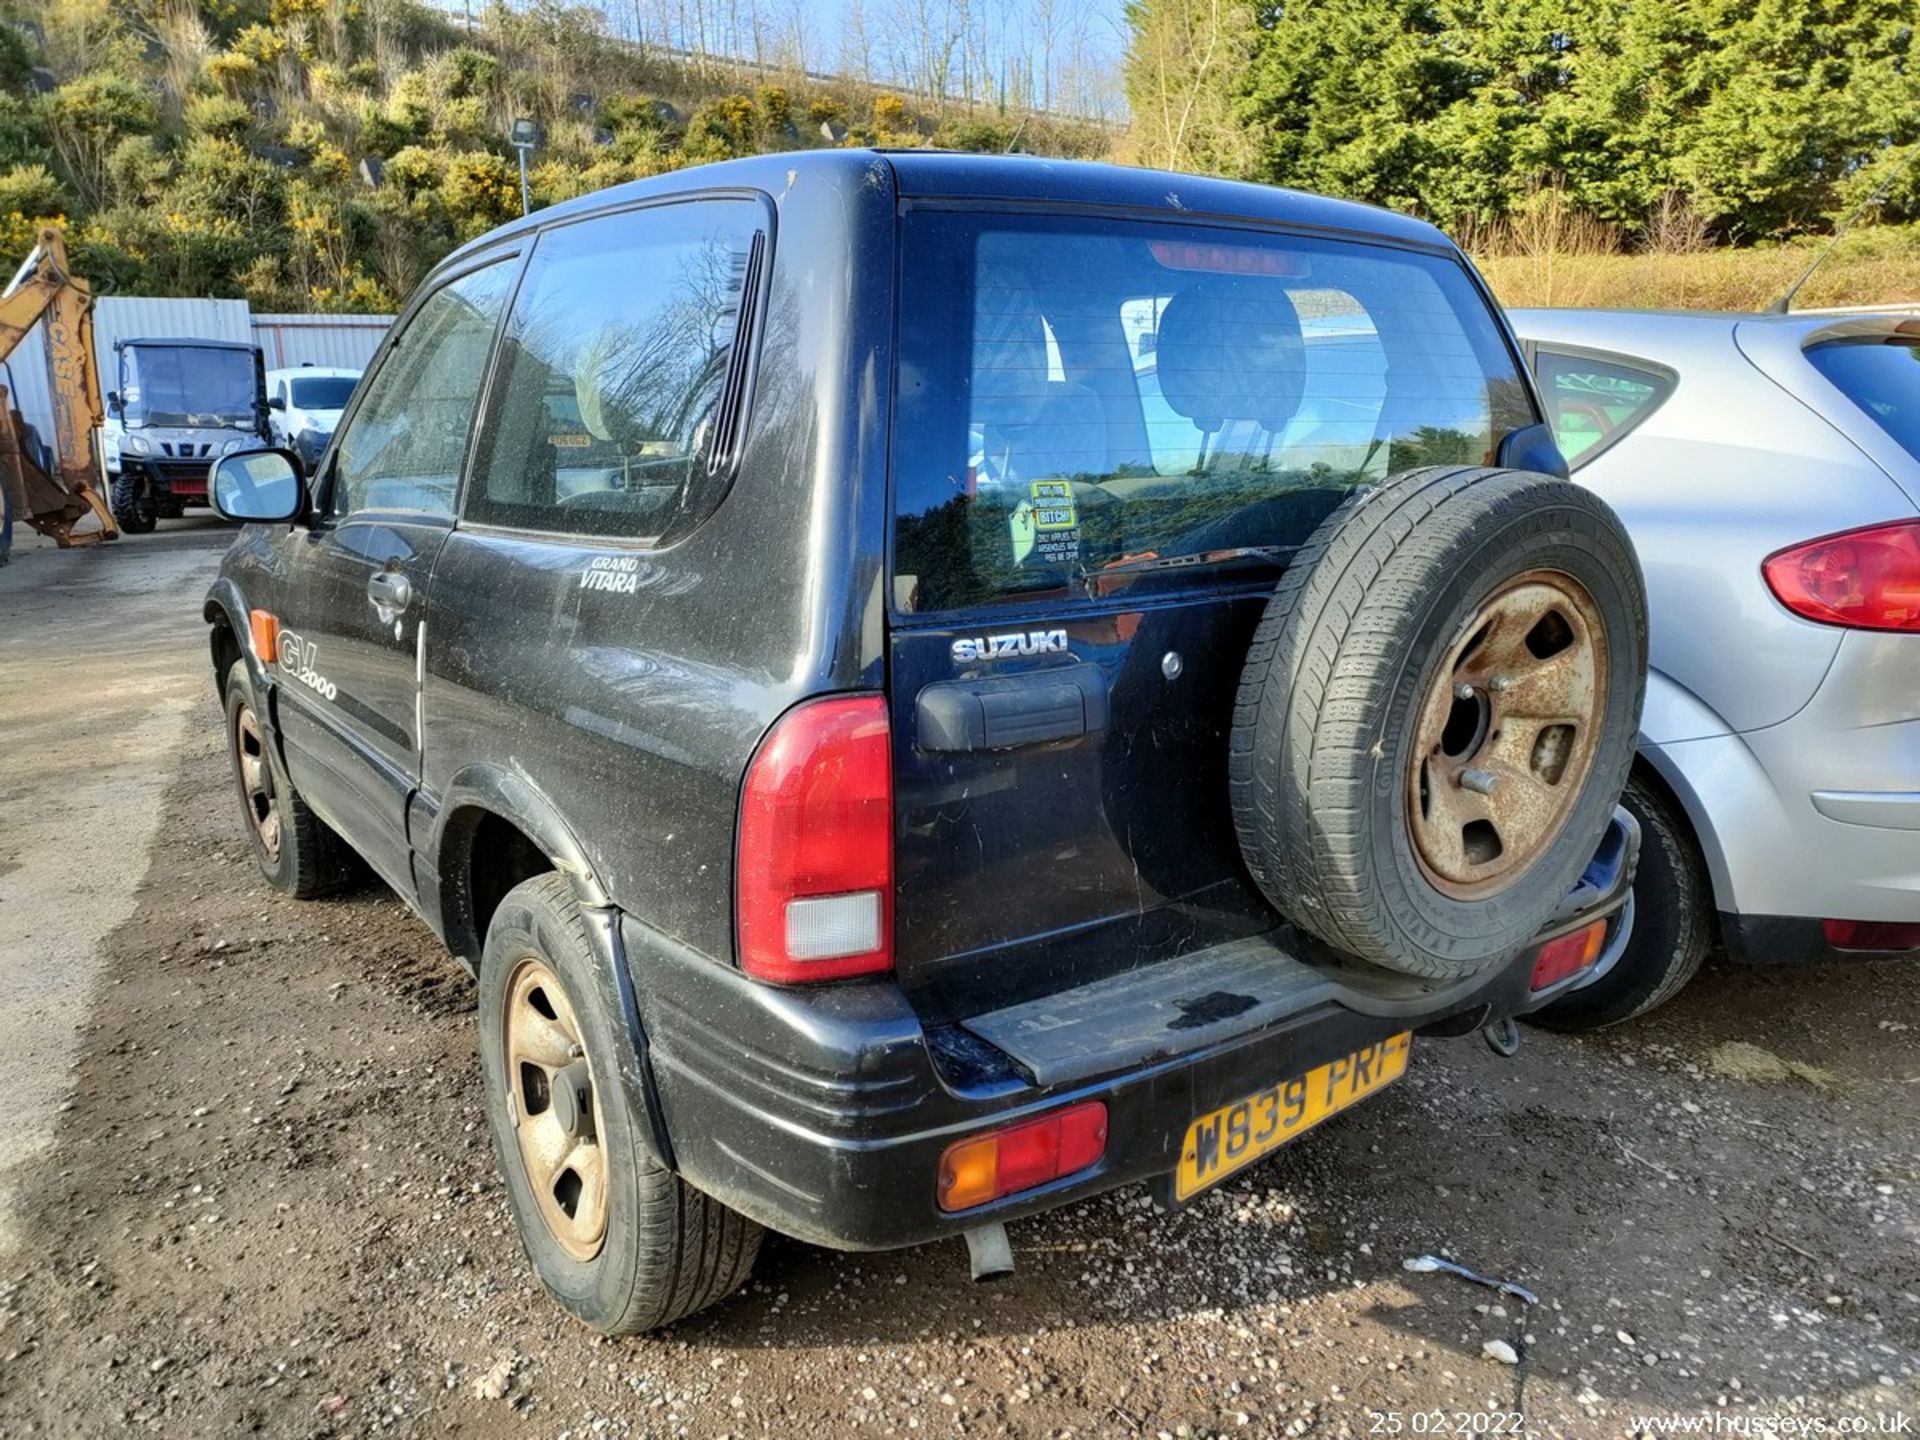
(1082, 397)
(1882, 377)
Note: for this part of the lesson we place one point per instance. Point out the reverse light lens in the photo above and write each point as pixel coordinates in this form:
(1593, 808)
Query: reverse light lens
(1872, 935)
(1865, 579)
(1569, 955)
(815, 864)
(1022, 1157)
(833, 925)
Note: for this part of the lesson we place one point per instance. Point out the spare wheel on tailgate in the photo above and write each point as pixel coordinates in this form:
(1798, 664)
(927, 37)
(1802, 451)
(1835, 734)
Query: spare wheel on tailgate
(1437, 715)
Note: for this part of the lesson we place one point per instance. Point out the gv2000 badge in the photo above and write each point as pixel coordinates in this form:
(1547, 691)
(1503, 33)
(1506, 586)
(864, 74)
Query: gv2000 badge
(297, 657)
(973, 648)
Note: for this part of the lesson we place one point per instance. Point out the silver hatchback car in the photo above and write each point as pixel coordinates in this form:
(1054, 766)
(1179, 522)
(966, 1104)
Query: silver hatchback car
(1768, 469)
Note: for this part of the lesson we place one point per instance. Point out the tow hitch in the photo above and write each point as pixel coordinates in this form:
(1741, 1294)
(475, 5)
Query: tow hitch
(1502, 1037)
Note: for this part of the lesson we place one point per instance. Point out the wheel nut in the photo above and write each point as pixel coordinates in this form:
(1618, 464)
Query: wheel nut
(1463, 691)
(1500, 684)
(1481, 782)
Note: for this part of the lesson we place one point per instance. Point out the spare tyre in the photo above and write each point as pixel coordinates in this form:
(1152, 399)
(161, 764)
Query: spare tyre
(1437, 715)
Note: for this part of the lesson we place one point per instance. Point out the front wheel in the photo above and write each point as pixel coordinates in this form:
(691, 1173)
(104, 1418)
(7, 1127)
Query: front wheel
(131, 501)
(622, 1243)
(296, 852)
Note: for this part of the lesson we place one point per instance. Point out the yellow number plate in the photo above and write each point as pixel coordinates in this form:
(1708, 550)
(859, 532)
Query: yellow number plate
(1236, 1135)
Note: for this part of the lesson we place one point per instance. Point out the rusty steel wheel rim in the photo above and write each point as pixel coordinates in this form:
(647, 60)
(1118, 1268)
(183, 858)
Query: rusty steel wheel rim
(1507, 735)
(256, 781)
(554, 1115)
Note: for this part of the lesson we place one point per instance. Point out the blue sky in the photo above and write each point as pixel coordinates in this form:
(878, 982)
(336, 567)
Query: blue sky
(1065, 52)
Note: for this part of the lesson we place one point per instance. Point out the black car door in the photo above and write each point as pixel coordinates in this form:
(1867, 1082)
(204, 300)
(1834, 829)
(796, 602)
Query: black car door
(351, 627)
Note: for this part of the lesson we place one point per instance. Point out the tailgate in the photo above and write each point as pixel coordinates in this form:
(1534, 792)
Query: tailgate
(1063, 815)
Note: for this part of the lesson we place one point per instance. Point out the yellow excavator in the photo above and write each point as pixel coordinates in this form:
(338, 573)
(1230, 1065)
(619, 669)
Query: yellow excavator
(54, 499)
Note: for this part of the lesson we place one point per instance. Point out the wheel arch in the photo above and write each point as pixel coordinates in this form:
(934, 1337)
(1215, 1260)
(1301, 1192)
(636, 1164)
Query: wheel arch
(1655, 768)
(226, 616)
(495, 829)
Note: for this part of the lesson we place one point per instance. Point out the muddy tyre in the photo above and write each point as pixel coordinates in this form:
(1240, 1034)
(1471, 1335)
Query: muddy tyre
(296, 851)
(622, 1243)
(132, 505)
(1437, 714)
(1673, 923)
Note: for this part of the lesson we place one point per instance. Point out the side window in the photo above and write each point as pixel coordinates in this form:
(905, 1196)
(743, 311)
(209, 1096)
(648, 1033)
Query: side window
(619, 361)
(1591, 403)
(404, 447)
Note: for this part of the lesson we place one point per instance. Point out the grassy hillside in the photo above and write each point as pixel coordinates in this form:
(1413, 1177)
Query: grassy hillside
(1875, 266)
(323, 154)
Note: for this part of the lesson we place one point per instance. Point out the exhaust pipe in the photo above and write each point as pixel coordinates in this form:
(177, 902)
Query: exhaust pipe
(989, 1252)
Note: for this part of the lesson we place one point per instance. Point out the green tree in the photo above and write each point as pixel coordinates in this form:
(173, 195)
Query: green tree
(1186, 75)
(89, 117)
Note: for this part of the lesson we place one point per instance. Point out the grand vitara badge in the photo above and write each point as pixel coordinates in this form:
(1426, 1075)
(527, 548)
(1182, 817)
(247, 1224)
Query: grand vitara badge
(972, 648)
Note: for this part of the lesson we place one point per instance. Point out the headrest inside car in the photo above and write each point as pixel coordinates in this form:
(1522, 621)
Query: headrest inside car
(1231, 351)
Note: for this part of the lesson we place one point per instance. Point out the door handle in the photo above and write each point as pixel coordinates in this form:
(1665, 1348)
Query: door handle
(1008, 711)
(390, 591)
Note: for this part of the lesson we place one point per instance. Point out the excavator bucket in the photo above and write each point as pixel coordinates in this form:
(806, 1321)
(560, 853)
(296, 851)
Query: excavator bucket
(34, 493)
(56, 498)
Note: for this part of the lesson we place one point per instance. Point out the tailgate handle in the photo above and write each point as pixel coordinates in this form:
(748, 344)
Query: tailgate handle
(1005, 711)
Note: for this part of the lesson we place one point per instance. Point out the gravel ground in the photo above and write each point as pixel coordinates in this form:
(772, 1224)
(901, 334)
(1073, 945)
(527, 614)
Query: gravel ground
(270, 1206)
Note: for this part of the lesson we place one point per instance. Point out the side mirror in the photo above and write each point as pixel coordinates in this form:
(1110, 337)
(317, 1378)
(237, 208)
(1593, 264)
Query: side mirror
(276, 403)
(267, 486)
(1532, 447)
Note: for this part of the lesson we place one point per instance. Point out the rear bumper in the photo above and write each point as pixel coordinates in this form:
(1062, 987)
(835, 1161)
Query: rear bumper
(1818, 816)
(1790, 940)
(823, 1113)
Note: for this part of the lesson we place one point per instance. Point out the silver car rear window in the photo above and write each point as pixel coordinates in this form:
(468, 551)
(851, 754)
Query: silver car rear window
(1881, 376)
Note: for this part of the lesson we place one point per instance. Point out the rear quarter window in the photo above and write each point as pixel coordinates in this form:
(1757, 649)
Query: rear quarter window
(1882, 377)
(1594, 402)
(612, 378)
(1079, 394)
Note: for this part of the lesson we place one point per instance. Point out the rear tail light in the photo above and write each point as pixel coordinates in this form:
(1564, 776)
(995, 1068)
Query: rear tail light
(815, 866)
(1569, 955)
(1004, 1162)
(1866, 579)
(1882, 935)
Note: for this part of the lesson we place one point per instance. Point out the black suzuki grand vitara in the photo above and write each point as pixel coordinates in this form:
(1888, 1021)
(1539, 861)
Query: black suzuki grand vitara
(928, 687)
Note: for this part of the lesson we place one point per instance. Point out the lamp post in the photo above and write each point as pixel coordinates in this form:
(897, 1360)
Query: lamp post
(524, 135)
